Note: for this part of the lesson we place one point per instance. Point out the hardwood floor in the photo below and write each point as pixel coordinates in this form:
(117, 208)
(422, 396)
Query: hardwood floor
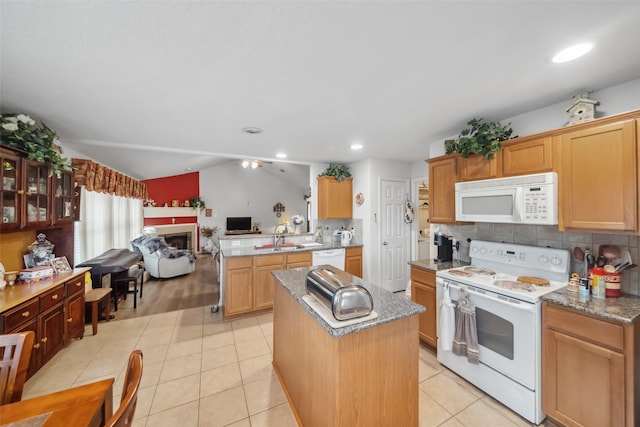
(197, 289)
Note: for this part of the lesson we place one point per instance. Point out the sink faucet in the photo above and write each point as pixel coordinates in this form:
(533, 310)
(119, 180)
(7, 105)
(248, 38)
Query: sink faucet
(278, 234)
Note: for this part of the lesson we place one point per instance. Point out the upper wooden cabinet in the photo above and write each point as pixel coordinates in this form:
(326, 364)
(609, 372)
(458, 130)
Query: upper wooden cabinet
(598, 176)
(442, 179)
(478, 167)
(335, 198)
(31, 196)
(527, 157)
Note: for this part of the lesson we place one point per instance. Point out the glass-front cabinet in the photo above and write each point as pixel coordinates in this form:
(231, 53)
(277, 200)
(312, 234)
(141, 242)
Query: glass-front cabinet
(63, 197)
(10, 201)
(37, 193)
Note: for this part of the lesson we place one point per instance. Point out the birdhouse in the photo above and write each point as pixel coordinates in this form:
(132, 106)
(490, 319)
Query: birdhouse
(583, 109)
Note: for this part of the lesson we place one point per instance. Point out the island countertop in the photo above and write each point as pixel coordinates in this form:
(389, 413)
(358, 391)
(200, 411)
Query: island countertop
(389, 306)
(239, 251)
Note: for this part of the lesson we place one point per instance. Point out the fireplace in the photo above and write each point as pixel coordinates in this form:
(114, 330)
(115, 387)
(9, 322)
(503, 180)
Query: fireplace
(178, 240)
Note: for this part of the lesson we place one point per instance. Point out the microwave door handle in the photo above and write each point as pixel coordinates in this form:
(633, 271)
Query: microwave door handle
(519, 205)
(497, 298)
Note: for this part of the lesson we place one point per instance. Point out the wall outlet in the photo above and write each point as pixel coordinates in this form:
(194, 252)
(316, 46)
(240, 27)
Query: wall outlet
(308, 238)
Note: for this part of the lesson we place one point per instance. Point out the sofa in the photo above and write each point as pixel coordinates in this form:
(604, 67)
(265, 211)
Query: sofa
(161, 260)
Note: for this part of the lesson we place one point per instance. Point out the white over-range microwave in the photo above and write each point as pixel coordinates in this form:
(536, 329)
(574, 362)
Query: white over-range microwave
(526, 199)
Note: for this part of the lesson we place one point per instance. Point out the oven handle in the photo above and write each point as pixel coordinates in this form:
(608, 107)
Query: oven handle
(497, 298)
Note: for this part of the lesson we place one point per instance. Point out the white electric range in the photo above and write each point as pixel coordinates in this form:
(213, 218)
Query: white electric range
(508, 318)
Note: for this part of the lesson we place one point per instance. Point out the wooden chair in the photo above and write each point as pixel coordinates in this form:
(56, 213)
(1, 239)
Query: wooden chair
(15, 353)
(93, 298)
(124, 415)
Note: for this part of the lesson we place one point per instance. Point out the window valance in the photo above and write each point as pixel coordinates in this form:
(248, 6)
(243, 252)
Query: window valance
(99, 178)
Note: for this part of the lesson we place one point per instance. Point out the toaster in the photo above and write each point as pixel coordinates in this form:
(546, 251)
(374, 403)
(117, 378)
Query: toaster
(344, 300)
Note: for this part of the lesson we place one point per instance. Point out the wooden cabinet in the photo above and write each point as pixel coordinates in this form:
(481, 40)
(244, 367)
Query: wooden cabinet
(353, 261)
(528, 156)
(299, 259)
(442, 179)
(335, 198)
(589, 369)
(423, 292)
(238, 285)
(31, 197)
(263, 281)
(51, 329)
(599, 179)
(478, 167)
(74, 309)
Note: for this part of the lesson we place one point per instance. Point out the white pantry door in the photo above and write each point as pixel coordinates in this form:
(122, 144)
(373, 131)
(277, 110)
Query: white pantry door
(394, 234)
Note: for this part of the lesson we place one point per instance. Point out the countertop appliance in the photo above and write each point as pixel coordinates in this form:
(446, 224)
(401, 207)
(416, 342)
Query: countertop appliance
(334, 257)
(526, 199)
(444, 244)
(508, 318)
(344, 300)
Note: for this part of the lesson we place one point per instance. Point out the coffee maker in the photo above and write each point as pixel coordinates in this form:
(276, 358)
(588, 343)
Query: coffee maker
(445, 247)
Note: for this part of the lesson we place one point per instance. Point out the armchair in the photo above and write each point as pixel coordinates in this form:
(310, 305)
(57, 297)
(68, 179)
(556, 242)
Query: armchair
(161, 260)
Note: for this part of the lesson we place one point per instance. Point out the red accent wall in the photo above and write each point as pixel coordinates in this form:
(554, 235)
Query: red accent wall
(176, 187)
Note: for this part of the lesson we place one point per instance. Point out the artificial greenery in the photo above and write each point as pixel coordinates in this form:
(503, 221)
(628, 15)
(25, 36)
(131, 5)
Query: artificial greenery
(196, 202)
(208, 231)
(41, 144)
(480, 138)
(338, 171)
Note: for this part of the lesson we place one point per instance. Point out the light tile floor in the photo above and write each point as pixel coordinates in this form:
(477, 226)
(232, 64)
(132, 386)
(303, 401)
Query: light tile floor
(200, 371)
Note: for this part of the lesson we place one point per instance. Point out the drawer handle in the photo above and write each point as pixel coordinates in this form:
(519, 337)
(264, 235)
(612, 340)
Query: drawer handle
(54, 296)
(25, 314)
(70, 319)
(36, 346)
(78, 284)
(44, 339)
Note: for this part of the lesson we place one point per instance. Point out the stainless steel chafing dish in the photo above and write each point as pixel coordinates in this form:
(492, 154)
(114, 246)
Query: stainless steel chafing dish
(345, 300)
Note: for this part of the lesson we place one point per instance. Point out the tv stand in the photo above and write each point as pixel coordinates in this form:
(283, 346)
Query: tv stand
(237, 232)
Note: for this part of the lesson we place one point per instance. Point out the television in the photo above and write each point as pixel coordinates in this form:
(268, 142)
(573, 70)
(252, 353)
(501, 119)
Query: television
(238, 223)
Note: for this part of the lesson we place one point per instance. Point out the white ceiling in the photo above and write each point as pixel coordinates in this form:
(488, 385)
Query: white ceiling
(153, 87)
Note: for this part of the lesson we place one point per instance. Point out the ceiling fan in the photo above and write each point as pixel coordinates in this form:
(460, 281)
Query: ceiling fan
(254, 164)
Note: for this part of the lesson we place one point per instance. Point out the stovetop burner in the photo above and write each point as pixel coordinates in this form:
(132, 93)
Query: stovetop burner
(480, 271)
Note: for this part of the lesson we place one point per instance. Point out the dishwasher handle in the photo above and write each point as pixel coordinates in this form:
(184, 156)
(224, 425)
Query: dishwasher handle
(328, 253)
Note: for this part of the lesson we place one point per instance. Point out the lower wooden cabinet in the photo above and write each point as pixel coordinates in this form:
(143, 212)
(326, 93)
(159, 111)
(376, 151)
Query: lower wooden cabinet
(353, 261)
(238, 286)
(74, 309)
(423, 292)
(299, 259)
(263, 280)
(589, 369)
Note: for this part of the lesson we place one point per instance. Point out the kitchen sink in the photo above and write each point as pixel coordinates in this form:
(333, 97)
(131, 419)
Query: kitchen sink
(278, 249)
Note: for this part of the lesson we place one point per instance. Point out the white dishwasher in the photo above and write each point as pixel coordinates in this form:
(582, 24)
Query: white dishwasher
(334, 257)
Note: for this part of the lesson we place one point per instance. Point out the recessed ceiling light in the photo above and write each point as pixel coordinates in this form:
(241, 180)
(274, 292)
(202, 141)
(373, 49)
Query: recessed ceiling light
(571, 53)
(281, 155)
(252, 130)
(357, 146)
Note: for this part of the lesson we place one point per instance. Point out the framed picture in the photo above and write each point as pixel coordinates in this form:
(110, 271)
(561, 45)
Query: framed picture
(61, 265)
(28, 261)
(175, 203)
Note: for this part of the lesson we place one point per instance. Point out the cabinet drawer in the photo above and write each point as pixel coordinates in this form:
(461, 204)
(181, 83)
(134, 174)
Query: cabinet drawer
(269, 260)
(299, 257)
(423, 276)
(587, 328)
(75, 286)
(354, 251)
(239, 262)
(51, 298)
(20, 314)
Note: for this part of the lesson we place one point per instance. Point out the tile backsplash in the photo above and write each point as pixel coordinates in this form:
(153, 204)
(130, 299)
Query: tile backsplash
(549, 236)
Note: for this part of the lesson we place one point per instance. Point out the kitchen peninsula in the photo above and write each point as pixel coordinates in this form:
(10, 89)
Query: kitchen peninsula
(362, 374)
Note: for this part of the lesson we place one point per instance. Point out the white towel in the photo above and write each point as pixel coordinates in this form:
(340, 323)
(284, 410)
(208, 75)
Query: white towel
(447, 320)
(465, 340)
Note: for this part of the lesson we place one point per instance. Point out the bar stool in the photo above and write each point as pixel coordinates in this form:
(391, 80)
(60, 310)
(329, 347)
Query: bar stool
(125, 282)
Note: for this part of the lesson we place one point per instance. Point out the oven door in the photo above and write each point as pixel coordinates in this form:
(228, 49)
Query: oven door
(508, 333)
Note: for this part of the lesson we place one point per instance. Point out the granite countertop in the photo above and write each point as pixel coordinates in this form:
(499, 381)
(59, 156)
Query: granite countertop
(624, 309)
(431, 265)
(389, 306)
(252, 251)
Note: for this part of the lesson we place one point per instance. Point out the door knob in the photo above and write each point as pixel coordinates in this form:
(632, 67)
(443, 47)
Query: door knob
(385, 243)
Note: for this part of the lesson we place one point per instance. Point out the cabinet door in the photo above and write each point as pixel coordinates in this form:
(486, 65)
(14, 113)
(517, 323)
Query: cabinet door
(239, 286)
(528, 157)
(263, 281)
(51, 325)
(442, 179)
(335, 198)
(37, 189)
(11, 200)
(353, 261)
(74, 317)
(423, 292)
(63, 198)
(34, 361)
(582, 383)
(598, 178)
(478, 167)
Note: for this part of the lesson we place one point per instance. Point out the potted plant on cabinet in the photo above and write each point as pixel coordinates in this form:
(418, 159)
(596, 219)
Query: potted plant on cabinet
(480, 138)
(338, 171)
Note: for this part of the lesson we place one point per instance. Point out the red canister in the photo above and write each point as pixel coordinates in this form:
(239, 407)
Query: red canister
(612, 284)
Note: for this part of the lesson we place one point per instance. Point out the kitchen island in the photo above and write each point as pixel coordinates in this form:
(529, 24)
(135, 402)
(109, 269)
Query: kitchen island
(362, 374)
